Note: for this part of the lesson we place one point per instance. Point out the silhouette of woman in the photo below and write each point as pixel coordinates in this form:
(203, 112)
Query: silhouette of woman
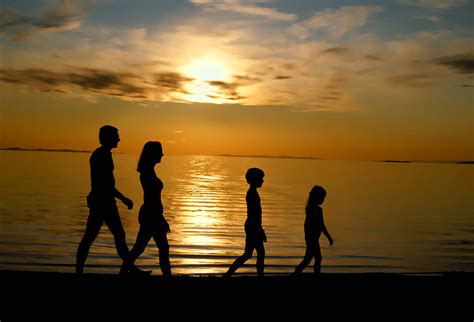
(151, 219)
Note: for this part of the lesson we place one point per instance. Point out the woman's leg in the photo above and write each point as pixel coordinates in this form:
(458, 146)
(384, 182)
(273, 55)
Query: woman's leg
(164, 252)
(143, 237)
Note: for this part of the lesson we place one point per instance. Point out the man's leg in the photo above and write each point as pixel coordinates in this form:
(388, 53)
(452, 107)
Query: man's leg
(94, 222)
(112, 219)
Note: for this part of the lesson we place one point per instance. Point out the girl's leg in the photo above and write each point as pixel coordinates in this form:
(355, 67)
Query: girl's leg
(164, 253)
(317, 259)
(306, 260)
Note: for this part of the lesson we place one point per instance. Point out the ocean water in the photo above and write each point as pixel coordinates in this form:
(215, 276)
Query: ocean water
(384, 217)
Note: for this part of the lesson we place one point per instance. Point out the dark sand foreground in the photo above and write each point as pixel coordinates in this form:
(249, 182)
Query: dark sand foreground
(447, 296)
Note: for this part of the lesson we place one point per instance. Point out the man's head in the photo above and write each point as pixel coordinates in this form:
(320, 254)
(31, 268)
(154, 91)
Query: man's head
(108, 136)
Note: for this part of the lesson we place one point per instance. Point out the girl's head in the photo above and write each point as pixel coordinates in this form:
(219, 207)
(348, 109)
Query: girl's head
(151, 154)
(254, 176)
(317, 195)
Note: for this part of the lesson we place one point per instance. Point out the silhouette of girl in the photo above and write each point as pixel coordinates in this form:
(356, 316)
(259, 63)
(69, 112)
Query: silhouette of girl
(313, 227)
(151, 219)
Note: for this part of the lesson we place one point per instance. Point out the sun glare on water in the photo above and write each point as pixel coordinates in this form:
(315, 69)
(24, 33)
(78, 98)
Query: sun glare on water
(204, 71)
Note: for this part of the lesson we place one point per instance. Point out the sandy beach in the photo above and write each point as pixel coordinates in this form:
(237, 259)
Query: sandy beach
(433, 295)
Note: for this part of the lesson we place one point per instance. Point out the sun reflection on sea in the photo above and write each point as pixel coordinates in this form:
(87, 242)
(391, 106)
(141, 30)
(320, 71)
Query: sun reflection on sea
(200, 213)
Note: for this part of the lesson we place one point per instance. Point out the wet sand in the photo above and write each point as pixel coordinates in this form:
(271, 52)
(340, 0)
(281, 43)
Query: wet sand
(447, 295)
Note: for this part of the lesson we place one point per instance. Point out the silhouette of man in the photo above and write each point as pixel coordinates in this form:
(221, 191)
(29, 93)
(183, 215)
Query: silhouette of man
(101, 199)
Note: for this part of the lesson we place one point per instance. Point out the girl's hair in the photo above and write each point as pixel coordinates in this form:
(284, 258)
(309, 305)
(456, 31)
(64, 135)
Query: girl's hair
(316, 196)
(152, 150)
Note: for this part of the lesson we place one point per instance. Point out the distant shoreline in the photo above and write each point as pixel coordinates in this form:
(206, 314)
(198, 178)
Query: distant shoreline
(44, 150)
(267, 156)
(251, 156)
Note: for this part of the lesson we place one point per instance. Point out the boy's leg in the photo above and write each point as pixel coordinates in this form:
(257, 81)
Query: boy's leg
(249, 247)
(260, 259)
(94, 222)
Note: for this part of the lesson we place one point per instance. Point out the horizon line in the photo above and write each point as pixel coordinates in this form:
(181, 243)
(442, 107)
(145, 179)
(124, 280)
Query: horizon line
(246, 156)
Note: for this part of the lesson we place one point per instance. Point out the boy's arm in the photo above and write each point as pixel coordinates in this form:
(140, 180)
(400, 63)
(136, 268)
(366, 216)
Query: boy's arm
(125, 200)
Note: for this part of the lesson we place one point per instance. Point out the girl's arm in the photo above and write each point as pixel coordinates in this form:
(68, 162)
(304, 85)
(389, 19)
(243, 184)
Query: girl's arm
(326, 232)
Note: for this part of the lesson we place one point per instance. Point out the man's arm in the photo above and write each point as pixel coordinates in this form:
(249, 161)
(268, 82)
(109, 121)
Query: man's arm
(125, 200)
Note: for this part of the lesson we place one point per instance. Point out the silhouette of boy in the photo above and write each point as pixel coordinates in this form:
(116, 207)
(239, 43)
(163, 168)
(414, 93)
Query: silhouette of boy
(313, 226)
(101, 199)
(255, 235)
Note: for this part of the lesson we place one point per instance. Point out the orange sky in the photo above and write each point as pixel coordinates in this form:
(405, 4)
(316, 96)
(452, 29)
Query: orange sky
(336, 81)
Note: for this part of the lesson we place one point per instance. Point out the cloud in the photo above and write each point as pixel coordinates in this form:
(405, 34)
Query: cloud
(411, 80)
(245, 7)
(229, 90)
(311, 108)
(337, 22)
(65, 16)
(461, 63)
(280, 77)
(437, 4)
(125, 85)
(372, 57)
(336, 51)
(261, 67)
(429, 18)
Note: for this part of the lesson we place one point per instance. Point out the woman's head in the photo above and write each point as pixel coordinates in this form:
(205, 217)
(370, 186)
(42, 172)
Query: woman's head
(317, 195)
(151, 154)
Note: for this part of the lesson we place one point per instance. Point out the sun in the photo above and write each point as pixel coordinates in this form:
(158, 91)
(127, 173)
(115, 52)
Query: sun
(203, 71)
(207, 69)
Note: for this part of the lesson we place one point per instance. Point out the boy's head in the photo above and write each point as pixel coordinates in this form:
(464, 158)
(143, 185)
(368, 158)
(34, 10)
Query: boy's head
(254, 176)
(317, 195)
